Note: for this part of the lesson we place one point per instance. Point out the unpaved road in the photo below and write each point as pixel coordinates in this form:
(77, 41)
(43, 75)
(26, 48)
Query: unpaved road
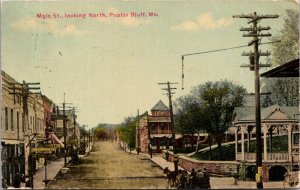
(108, 166)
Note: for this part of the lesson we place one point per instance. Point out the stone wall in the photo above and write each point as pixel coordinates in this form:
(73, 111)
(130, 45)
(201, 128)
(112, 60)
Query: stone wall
(215, 167)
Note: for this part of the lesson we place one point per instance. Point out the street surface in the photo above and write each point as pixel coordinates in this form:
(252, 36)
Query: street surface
(110, 167)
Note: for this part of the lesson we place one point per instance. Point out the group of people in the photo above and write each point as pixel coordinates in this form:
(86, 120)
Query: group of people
(182, 179)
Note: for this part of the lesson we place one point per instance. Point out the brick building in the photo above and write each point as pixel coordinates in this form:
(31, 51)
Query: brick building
(156, 128)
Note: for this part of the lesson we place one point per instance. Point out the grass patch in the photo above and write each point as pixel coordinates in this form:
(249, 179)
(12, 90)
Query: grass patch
(279, 144)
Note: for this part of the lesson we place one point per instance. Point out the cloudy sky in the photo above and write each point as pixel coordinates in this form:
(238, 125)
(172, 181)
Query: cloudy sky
(109, 66)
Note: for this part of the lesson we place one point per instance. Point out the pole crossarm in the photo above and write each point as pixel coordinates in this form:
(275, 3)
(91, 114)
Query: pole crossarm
(253, 53)
(257, 35)
(258, 29)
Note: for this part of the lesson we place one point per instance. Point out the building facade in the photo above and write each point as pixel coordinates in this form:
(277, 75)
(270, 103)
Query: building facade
(12, 131)
(155, 129)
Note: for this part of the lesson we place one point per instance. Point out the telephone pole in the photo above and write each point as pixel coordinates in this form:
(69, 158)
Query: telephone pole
(65, 133)
(65, 130)
(255, 33)
(74, 130)
(24, 90)
(138, 133)
(169, 94)
(84, 135)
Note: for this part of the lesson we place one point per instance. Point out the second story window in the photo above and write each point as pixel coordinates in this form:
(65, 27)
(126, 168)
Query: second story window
(163, 126)
(153, 128)
(22, 123)
(12, 119)
(6, 118)
(18, 121)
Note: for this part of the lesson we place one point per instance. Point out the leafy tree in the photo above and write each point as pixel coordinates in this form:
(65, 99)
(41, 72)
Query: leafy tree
(127, 131)
(288, 48)
(190, 118)
(218, 100)
(187, 116)
(102, 133)
(284, 91)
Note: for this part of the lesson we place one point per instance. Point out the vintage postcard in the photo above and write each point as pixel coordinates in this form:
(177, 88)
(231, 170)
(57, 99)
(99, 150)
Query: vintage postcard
(101, 94)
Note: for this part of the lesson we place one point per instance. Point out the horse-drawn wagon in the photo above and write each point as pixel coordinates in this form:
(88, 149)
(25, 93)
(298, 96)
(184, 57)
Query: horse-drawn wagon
(182, 179)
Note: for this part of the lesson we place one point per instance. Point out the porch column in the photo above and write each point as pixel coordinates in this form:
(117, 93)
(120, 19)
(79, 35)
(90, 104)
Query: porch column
(248, 141)
(243, 142)
(236, 140)
(265, 130)
(289, 128)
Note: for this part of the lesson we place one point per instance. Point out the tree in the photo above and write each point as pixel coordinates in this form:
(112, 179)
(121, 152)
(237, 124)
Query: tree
(218, 100)
(284, 91)
(190, 118)
(127, 131)
(101, 133)
(104, 131)
(288, 48)
(187, 115)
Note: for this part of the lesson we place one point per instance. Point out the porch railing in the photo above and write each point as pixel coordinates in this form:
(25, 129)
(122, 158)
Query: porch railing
(284, 156)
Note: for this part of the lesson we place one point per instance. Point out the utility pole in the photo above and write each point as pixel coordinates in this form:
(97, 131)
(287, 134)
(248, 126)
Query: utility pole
(84, 135)
(169, 94)
(24, 90)
(65, 133)
(138, 133)
(74, 129)
(255, 32)
(65, 130)
(74, 123)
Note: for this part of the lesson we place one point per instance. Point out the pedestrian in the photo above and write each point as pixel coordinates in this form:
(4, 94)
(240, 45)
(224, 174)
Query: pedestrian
(4, 183)
(17, 181)
(206, 179)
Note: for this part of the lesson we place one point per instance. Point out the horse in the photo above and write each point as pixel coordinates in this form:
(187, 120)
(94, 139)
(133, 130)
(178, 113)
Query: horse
(199, 179)
(182, 179)
(171, 176)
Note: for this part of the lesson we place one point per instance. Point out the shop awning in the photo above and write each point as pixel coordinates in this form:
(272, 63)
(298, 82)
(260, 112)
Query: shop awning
(54, 140)
(161, 135)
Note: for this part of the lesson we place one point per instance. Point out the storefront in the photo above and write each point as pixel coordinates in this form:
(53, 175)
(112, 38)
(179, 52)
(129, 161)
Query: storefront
(13, 161)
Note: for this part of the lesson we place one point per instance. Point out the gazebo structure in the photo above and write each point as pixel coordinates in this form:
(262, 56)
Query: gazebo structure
(277, 122)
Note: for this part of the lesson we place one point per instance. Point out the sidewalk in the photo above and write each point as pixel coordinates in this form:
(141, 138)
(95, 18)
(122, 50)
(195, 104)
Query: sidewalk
(156, 158)
(53, 169)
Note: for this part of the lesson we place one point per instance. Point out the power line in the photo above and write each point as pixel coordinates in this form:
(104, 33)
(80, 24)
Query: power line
(213, 51)
(224, 49)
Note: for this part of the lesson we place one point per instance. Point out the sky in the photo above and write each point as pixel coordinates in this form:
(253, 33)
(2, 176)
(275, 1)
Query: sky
(109, 66)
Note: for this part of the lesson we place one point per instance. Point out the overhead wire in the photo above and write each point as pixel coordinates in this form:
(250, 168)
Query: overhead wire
(212, 51)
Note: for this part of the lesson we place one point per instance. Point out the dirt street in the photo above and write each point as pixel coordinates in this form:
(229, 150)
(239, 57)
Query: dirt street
(108, 166)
